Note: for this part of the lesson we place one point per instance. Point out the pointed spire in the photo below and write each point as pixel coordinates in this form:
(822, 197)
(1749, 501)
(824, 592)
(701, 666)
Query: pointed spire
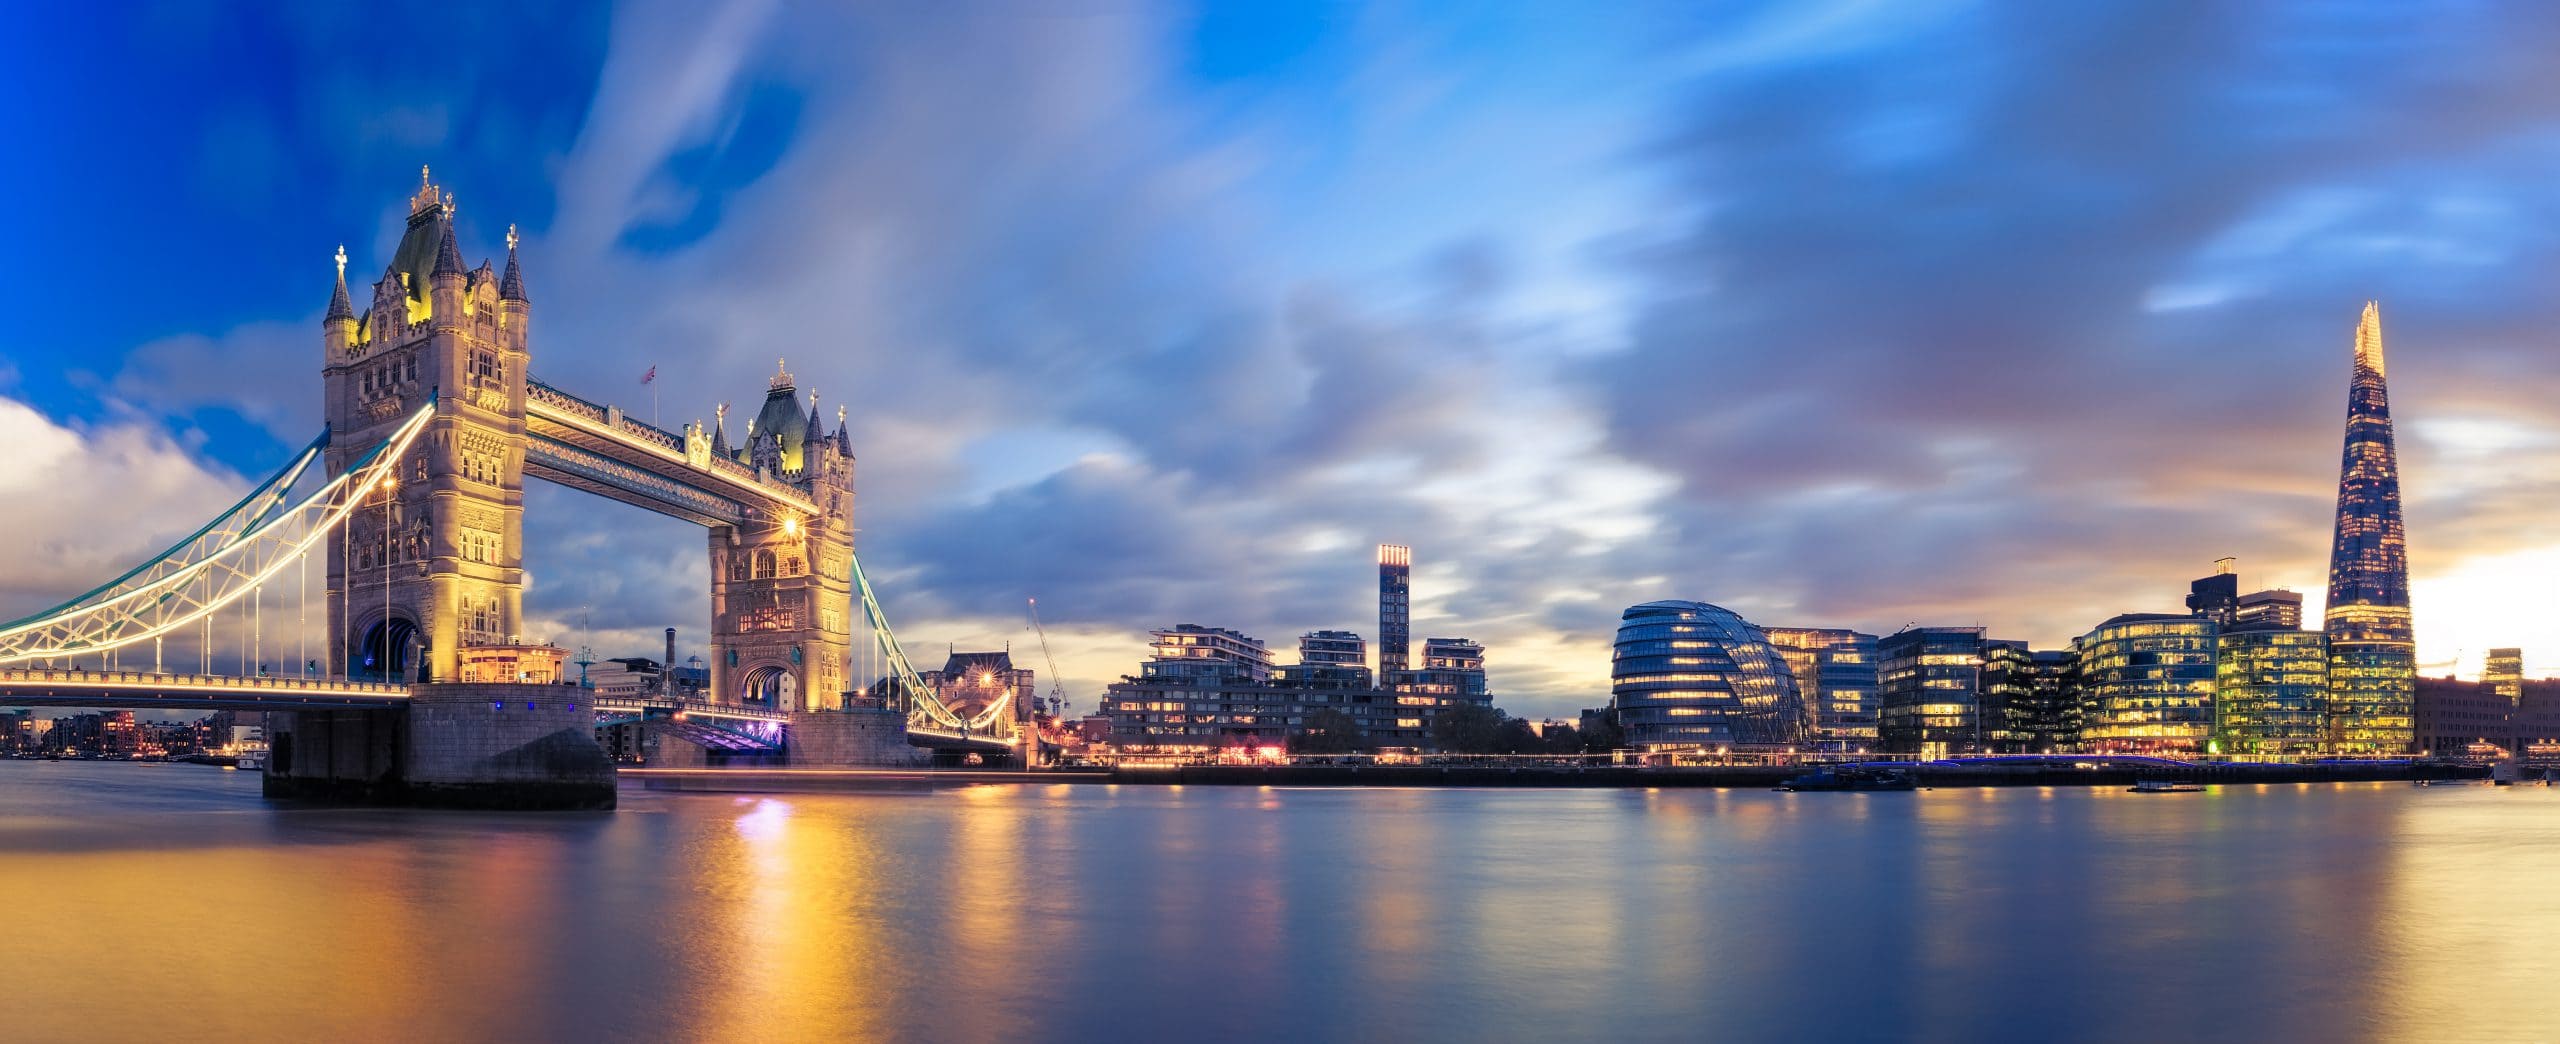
(2369, 339)
(448, 256)
(817, 424)
(844, 439)
(719, 424)
(511, 285)
(339, 306)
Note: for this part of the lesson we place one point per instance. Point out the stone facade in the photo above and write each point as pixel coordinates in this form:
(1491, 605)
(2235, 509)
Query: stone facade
(782, 588)
(433, 561)
(859, 736)
(462, 746)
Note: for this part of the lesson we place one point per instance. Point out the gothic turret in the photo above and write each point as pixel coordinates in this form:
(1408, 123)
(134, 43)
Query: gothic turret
(844, 439)
(511, 285)
(780, 419)
(338, 328)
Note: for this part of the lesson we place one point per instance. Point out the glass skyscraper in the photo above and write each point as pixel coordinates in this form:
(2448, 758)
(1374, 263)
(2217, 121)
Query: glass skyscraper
(2373, 664)
(1694, 675)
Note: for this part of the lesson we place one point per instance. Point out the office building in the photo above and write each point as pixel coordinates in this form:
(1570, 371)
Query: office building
(2029, 705)
(1690, 675)
(2373, 667)
(2454, 718)
(2216, 597)
(2271, 690)
(1835, 671)
(2147, 684)
(2278, 609)
(2504, 671)
(1929, 691)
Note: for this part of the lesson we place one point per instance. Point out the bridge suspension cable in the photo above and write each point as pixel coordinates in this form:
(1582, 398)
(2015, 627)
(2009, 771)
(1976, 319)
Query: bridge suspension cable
(925, 705)
(218, 565)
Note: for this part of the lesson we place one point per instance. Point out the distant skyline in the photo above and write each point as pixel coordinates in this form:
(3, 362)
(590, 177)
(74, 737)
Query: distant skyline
(1832, 314)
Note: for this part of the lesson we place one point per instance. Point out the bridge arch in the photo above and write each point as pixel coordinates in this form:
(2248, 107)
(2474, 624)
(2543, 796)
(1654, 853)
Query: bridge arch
(769, 686)
(390, 650)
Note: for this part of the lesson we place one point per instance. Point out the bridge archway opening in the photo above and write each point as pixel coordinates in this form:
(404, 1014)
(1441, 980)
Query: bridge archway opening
(770, 688)
(389, 652)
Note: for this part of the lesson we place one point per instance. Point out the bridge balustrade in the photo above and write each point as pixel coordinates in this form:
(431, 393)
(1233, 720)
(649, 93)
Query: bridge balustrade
(223, 682)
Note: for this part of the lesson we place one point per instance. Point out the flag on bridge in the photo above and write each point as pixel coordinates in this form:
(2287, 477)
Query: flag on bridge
(650, 377)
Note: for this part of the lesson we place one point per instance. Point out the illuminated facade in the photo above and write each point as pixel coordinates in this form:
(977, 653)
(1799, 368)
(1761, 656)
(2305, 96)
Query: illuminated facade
(2373, 667)
(971, 682)
(1209, 687)
(1835, 672)
(1687, 675)
(1452, 669)
(1929, 691)
(2030, 702)
(2504, 672)
(2271, 690)
(2279, 609)
(1395, 609)
(2147, 684)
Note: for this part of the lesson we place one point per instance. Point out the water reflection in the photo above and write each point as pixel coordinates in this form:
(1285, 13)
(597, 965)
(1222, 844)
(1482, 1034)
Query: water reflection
(1090, 913)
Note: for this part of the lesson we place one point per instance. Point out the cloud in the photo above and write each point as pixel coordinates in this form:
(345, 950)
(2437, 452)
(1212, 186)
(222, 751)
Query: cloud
(1861, 314)
(88, 502)
(2023, 316)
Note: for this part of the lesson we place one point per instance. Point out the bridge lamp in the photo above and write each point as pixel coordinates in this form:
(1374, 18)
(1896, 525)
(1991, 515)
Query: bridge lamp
(791, 525)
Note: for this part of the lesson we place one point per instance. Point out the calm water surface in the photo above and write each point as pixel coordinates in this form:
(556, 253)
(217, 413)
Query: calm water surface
(169, 902)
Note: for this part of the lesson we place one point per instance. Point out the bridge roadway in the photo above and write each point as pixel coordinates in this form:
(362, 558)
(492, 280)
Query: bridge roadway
(689, 708)
(143, 690)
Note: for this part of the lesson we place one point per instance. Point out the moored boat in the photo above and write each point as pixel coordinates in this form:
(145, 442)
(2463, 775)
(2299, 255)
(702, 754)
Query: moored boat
(2165, 786)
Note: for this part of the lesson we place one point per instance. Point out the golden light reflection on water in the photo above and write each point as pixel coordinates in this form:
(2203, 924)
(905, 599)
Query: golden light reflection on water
(1001, 913)
(2472, 878)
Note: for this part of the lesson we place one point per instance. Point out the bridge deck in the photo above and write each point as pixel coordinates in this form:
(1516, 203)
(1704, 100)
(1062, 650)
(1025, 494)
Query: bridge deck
(689, 708)
(144, 690)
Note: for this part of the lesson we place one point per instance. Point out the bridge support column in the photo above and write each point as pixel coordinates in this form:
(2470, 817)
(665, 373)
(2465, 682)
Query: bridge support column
(348, 756)
(870, 737)
(499, 746)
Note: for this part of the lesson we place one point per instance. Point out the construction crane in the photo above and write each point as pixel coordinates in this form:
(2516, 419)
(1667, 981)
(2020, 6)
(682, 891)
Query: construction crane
(1057, 696)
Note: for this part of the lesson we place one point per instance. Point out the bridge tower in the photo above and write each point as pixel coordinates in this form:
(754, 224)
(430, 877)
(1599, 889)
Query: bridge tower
(434, 564)
(782, 587)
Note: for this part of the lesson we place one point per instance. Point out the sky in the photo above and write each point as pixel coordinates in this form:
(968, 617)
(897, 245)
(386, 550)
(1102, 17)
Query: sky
(1852, 314)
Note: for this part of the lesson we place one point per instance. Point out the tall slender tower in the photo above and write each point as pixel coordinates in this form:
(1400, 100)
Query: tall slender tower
(2373, 663)
(1395, 611)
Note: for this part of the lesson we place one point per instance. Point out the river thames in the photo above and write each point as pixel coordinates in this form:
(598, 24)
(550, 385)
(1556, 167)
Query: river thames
(169, 901)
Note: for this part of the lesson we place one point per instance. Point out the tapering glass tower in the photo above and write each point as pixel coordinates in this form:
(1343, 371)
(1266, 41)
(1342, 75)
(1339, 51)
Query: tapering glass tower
(2373, 664)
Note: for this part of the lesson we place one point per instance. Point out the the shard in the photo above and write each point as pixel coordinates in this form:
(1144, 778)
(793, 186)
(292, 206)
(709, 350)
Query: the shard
(2373, 665)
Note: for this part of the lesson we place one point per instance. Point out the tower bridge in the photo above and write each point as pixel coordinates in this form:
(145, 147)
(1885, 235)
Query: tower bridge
(410, 510)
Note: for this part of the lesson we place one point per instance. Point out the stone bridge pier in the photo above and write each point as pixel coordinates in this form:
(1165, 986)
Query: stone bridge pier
(469, 745)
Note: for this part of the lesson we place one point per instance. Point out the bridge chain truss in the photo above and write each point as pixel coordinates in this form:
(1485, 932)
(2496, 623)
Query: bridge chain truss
(216, 566)
(926, 712)
(269, 530)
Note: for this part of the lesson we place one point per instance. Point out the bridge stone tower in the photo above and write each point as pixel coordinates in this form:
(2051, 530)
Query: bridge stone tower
(434, 564)
(782, 587)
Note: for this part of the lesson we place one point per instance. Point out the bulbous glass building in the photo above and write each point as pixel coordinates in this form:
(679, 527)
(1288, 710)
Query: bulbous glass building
(1690, 674)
